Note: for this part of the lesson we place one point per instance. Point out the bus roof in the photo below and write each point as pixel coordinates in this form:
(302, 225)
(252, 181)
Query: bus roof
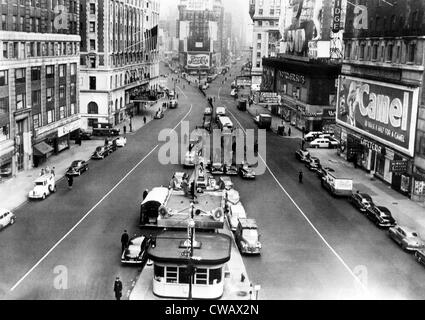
(159, 194)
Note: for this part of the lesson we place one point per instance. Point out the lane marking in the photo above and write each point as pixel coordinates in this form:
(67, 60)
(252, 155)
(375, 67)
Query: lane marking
(182, 91)
(306, 218)
(91, 210)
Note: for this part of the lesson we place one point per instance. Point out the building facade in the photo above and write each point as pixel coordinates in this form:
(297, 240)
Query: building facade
(381, 113)
(200, 33)
(265, 15)
(39, 91)
(118, 58)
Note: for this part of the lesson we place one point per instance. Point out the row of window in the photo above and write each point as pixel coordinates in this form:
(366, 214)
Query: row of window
(49, 4)
(382, 51)
(272, 12)
(34, 24)
(267, 23)
(36, 96)
(20, 73)
(23, 50)
(180, 275)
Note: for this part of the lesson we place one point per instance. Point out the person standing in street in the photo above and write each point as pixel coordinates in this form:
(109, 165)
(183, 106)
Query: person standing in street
(300, 177)
(70, 180)
(118, 288)
(144, 119)
(289, 131)
(53, 171)
(125, 129)
(124, 240)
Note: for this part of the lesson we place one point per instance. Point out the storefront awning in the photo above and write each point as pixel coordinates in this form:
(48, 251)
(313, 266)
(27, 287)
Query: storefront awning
(42, 148)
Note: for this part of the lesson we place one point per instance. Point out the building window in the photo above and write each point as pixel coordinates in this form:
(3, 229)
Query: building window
(272, 12)
(73, 90)
(4, 105)
(62, 70)
(92, 26)
(260, 12)
(92, 108)
(61, 91)
(62, 112)
(50, 71)
(362, 50)
(3, 22)
(73, 69)
(92, 44)
(4, 77)
(398, 53)
(92, 8)
(20, 75)
(50, 116)
(92, 83)
(36, 98)
(411, 52)
(92, 62)
(14, 24)
(258, 55)
(375, 52)
(72, 108)
(201, 276)
(20, 101)
(36, 120)
(35, 73)
(21, 24)
(259, 46)
(5, 50)
(49, 94)
(215, 276)
(171, 274)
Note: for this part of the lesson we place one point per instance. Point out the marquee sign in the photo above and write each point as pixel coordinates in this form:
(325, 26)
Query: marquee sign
(198, 60)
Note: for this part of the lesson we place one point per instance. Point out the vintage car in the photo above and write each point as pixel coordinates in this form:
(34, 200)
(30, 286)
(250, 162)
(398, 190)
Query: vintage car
(420, 256)
(234, 213)
(101, 152)
(230, 169)
(159, 114)
(208, 111)
(302, 155)
(380, 216)
(322, 171)
(313, 164)
(408, 239)
(190, 158)
(217, 168)
(324, 143)
(43, 186)
(225, 183)
(77, 168)
(312, 135)
(247, 237)
(361, 201)
(6, 218)
(121, 141)
(173, 104)
(246, 172)
(136, 252)
(231, 196)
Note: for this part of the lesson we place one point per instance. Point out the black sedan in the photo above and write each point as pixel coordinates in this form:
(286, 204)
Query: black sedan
(77, 168)
(380, 216)
(361, 201)
(100, 153)
(322, 171)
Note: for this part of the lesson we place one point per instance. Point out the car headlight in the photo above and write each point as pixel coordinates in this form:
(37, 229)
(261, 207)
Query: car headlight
(259, 245)
(244, 245)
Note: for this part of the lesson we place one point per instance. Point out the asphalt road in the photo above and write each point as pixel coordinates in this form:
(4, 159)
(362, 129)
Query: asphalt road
(315, 246)
(71, 240)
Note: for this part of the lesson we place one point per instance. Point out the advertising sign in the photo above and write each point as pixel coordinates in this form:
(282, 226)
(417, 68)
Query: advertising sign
(336, 23)
(198, 60)
(243, 81)
(384, 112)
(398, 166)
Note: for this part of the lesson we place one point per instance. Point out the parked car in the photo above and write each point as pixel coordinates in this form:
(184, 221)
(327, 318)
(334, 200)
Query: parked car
(121, 141)
(406, 238)
(234, 92)
(173, 104)
(247, 237)
(43, 186)
(312, 135)
(420, 256)
(380, 216)
(246, 172)
(208, 111)
(324, 143)
(136, 253)
(205, 86)
(302, 155)
(322, 171)
(220, 111)
(217, 168)
(77, 168)
(171, 93)
(235, 212)
(6, 218)
(361, 201)
(225, 183)
(159, 114)
(231, 169)
(313, 164)
(100, 153)
(106, 132)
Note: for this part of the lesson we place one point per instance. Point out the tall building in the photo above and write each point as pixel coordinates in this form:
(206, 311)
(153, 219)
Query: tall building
(380, 109)
(200, 33)
(119, 58)
(39, 91)
(265, 15)
(228, 39)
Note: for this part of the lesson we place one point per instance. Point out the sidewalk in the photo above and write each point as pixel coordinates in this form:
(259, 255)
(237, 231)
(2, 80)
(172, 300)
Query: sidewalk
(234, 289)
(14, 191)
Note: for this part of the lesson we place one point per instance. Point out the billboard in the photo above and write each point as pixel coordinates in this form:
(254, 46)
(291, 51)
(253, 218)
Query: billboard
(243, 81)
(382, 111)
(198, 60)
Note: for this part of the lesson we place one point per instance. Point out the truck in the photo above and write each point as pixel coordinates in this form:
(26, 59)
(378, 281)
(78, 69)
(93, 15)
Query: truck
(242, 103)
(337, 184)
(263, 121)
(247, 237)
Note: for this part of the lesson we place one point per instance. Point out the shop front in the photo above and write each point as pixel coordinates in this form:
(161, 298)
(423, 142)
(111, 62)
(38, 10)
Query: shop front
(6, 160)
(378, 137)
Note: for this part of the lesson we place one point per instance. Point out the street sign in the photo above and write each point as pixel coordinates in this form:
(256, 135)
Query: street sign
(398, 166)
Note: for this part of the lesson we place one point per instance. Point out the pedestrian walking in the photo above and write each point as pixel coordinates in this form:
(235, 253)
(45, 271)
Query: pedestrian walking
(118, 288)
(145, 194)
(144, 119)
(289, 131)
(41, 172)
(302, 144)
(70, 180)
(131, 127)
(106, 141)
(125, 129)
(79, 141)
(177, 95)
(47, 170)
(124, 241)
(300, 177)
(53, 171)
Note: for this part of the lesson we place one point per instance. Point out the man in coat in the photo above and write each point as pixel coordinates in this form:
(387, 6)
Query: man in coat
(118, 288)
(124, 241)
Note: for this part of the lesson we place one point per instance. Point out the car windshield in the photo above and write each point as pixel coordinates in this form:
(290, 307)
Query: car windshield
(39, 183)
(250, 234)
(74, 164)
(414, 234)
